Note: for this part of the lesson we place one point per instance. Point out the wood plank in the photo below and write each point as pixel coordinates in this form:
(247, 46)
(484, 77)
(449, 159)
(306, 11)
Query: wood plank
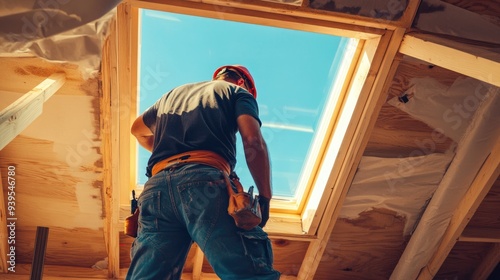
(455, 56)
(481, 185)
(382, 71)
(490, 261)
(109, 135)
(17, 116)
(366, 247)
(198, 264)
(475, 234)
(256, 12)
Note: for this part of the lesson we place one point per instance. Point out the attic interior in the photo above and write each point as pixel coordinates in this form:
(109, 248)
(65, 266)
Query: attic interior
(410, 190)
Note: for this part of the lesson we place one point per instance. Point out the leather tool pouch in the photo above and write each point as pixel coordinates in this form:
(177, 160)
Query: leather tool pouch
(131, 224)
(243, 206)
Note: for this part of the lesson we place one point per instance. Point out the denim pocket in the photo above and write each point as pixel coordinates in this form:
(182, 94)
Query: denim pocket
(149, 207)
(257, 247)
(201, 200)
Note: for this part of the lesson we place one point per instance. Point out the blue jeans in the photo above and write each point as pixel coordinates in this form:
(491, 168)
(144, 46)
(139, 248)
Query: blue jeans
(188, 204)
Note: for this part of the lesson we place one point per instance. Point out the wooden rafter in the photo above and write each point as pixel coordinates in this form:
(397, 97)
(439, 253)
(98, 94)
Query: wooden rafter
(490, 261)
(481, 185)
(198, 264)
(118, 82)
(454, 56)
(474, 234)
(22, 112)
(110, 144)
(384, 66)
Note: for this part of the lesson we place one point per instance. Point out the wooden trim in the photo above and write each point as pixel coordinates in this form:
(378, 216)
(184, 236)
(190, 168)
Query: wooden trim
(369, 104)
(481, 185)
(22, 112)
(333, 153)
(243, 11)
(474, 234)
(309, 193)
(454, 56)
(4, 234)
(490, 261)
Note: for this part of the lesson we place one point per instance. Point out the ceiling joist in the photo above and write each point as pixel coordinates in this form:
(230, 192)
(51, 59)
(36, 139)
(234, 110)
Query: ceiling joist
(481, 185)
(22, 112)
(454, 56)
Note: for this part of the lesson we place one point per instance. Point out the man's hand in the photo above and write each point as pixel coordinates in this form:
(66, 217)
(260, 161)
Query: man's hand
(264, 210)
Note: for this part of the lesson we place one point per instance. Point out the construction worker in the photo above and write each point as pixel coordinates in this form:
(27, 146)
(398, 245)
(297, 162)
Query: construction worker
(185, 202)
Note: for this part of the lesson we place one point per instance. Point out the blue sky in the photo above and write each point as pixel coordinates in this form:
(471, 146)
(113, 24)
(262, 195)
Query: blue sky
(293, 72)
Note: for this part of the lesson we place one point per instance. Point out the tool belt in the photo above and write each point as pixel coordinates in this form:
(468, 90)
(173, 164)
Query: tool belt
(243, 206)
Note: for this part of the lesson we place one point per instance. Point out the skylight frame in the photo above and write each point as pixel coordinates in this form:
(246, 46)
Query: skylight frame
(286, 218)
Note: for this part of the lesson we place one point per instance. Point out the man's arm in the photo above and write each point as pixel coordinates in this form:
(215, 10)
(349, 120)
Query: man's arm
(143, 134)
(256, 154)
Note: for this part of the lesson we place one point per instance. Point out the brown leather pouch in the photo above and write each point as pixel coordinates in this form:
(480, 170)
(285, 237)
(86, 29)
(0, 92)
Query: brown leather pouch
(131, 224)
(243, 206)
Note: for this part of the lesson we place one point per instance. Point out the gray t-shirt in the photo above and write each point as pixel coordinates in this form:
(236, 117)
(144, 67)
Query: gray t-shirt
(198, 116)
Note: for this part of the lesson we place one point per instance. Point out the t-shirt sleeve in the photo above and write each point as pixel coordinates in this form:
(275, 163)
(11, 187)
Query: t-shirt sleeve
(149, 116)
(246, 105)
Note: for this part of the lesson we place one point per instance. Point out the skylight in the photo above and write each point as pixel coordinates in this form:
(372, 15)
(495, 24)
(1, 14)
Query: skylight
(294, 73)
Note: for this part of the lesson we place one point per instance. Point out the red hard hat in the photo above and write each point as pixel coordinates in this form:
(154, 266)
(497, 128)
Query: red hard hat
(244, 71)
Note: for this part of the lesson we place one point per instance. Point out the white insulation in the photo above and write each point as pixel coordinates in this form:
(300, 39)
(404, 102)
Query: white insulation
(57, 30)
(399, 184)
(473, 148)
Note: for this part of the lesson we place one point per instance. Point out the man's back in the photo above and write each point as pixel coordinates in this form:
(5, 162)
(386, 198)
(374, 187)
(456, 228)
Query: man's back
(198, 116)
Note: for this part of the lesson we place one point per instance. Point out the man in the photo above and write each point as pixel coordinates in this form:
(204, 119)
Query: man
(184, 201)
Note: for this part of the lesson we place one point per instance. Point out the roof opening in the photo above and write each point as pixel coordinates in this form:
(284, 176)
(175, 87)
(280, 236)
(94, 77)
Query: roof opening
(295, 74)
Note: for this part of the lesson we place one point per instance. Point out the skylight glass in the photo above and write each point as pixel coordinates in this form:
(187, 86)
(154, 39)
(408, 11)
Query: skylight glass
(293, 70)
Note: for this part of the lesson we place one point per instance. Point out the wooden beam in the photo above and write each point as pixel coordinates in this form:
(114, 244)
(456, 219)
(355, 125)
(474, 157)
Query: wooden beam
(474, 234)
(4, 234)
(18, 115)
(481, 185)
(374, 93)
(490, 261)
(198, 263)
(473, 61)
(109, 135)
(258, 13)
